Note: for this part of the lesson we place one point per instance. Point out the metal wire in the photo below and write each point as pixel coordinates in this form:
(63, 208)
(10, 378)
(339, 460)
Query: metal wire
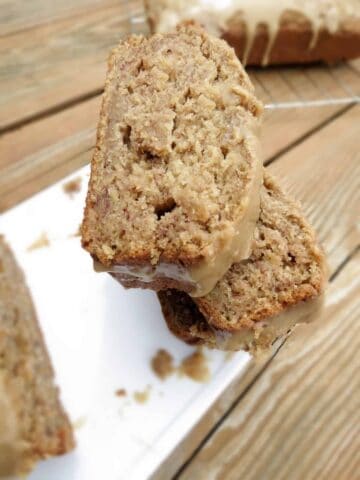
(313, 103)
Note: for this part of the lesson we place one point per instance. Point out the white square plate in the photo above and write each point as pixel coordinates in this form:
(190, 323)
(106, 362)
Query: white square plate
(101, 338)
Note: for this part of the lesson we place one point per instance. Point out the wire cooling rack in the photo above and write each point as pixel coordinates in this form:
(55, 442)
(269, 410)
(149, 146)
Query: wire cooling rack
(292, 87)
(310, 86)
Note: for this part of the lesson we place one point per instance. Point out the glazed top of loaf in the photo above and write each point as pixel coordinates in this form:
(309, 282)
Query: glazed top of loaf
(176, 157)
(216, 15)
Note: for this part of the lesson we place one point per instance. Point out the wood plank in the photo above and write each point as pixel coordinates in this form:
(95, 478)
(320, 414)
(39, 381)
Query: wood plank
(39, 154)
(56, 63)
(16, 15)
(52, 174)
(27, 144)
(324, 174)
(284, 126)
(300, 418)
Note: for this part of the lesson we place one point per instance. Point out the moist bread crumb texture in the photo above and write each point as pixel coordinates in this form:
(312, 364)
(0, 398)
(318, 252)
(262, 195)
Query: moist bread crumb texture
(175, 151)
(286, 269)
(33, 424)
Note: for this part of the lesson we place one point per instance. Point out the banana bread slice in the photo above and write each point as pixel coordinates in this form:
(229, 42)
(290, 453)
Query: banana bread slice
(269, 33)
(261, 298)
(174, 191)
(33, 424)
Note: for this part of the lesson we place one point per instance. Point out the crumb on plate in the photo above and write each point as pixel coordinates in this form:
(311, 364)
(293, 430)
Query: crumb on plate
(121, 392)
(41, 242)
(142, 397)
(162, 364)
(195, 367)
(72, 186)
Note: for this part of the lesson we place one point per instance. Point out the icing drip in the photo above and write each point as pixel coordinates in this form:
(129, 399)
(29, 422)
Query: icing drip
(216, 14)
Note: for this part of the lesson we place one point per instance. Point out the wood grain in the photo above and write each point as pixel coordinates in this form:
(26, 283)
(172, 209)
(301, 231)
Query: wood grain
(16, 15)
(41, 153)
(47, 66)
(315, 180)
(324, 174)
(28, 144)
(284, 127)
(300, 419)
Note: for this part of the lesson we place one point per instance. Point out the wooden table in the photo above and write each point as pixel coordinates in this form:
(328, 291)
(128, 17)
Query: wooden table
(295, 414)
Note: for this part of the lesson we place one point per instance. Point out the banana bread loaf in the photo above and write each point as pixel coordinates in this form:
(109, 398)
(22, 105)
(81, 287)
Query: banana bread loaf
(271, 32)
(33, 424)
(175, 181)
(259, 299)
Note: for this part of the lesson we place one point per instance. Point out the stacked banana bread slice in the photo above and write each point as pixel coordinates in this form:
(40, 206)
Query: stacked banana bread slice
(260, 299)
(176, 200)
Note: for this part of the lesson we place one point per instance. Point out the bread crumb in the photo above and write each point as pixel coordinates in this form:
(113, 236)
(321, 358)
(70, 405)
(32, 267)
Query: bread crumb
(142, 397)
(41, 242)
(195, 367)
(121, 392)
(72, 186)
(162, 364)
(79, 423)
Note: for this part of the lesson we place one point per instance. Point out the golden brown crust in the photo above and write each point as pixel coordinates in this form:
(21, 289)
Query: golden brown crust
(180, 326)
